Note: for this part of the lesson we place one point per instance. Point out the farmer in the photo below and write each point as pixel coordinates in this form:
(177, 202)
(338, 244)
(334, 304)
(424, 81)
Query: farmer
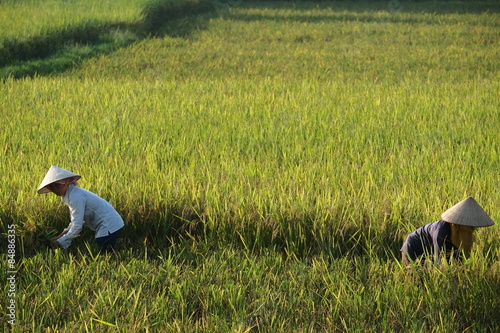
(453, 233)
(85, 208)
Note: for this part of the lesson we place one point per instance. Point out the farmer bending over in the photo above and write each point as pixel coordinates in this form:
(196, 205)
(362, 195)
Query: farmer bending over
(85, 208)
(452, 234)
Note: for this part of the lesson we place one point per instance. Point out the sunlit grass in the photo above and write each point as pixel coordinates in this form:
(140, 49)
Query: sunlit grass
(227, 153)
(268, 166)
(21, 19)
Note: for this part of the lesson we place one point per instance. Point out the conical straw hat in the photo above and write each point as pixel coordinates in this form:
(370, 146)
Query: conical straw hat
(467, 212)
(53, 175)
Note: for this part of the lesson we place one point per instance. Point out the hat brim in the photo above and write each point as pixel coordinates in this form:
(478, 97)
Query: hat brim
(469, 213)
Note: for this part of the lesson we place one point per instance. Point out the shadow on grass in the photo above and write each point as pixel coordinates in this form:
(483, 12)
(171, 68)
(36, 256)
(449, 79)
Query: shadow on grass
(390, 6)
(377, 11)
(152, 230)
(61, 50)
(160, 228)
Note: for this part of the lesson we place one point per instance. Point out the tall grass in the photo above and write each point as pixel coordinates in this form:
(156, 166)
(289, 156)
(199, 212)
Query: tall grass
(257, 159)
(268, 167)
(229, 292)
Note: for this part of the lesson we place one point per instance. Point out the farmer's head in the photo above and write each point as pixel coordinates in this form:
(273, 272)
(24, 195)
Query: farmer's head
(57, 181)
(59, 188)
(464, 218)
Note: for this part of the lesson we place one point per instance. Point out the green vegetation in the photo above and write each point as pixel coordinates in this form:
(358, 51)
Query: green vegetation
(62, 34)
(268, 158)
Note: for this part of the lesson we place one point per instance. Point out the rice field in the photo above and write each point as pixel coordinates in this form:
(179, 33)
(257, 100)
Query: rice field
(268, 159)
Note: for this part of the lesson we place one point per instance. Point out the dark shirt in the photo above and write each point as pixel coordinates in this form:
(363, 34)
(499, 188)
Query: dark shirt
(431, 239)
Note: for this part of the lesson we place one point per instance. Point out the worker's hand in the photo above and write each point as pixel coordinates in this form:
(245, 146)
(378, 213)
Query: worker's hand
(55, 244)
(60, 235)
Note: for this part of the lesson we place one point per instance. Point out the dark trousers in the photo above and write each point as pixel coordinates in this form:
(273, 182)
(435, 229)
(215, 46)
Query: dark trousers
(106, 243)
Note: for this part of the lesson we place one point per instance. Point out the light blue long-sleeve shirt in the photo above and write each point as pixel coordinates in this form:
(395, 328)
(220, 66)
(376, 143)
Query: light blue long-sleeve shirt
(87, 208)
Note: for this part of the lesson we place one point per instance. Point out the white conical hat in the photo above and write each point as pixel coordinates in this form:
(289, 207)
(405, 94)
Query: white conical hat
(53, 175)
(467, 212)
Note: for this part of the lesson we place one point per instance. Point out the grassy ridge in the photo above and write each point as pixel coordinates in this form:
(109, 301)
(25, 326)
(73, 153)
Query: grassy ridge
(268, 168)
(61, 36)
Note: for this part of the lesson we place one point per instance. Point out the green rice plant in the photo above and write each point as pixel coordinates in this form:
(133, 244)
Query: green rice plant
(227, 291)
(268, 166)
